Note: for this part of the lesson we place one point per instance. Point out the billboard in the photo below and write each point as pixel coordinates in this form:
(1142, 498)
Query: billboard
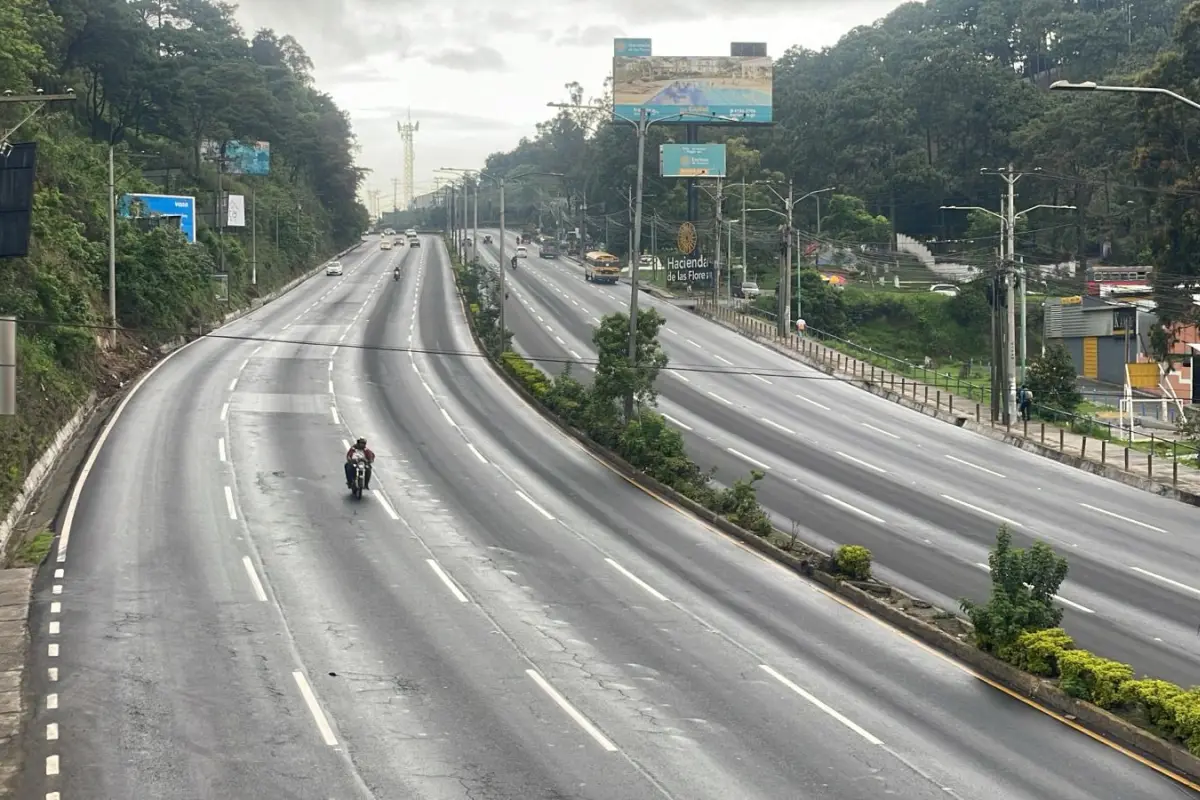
(140, 206)
(237, 157)
(692, 160)
(17, 164)
(682, 89)
(690, 268)
(639, 48)
(235, 210)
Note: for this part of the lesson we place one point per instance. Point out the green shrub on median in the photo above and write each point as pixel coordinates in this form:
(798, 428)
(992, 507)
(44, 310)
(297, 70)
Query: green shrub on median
(853, 561)
(1020, 625)
(645, 440)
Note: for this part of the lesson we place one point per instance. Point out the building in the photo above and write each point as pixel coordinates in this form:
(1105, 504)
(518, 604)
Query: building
(1101, 335)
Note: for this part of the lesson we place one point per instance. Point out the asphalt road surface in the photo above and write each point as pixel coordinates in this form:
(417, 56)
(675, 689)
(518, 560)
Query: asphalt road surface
(925, 497)
(501, 618)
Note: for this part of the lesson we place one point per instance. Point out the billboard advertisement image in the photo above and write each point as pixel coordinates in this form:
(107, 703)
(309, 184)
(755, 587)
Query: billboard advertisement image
(682, 89)
(692, 160)
(235, 210)
(142, 206)
(238, 158)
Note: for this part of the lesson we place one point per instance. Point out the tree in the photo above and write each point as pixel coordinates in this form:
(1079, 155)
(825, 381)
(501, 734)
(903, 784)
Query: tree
(1024, 585)
(617, 379)
(1052, 379)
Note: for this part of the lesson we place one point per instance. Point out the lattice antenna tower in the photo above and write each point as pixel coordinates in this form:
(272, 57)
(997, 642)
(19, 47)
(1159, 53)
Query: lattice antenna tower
(407, 129)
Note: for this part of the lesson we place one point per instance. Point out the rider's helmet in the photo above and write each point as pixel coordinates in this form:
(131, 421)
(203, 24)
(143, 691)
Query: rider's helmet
(361, 444)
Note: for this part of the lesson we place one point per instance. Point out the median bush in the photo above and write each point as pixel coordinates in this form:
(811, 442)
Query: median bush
(644, 439)
(853, 561)
(1038, 651)
(1091, 677)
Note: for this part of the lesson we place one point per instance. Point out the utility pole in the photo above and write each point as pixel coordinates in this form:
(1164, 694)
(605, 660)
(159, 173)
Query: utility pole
(784, 293)
(112, 247)
(475, 227)
(717, 258)
(744, 265)
(503, 290)
(632, 255)
(643, 124)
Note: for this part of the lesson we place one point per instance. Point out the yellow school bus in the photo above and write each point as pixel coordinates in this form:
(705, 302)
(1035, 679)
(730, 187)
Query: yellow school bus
(601, 267)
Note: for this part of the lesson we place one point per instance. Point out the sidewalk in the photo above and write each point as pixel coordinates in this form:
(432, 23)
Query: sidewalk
(1157, 474)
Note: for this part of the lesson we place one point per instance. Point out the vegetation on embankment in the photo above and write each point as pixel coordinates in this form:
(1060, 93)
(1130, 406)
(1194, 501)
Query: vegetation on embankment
(155, 87)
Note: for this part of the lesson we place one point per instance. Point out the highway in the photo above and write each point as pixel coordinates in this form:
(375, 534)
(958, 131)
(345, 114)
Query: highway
(925, 497)
(501, 617)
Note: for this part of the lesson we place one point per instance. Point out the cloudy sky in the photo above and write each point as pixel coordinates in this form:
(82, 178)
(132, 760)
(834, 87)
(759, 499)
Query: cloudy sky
(477, 74)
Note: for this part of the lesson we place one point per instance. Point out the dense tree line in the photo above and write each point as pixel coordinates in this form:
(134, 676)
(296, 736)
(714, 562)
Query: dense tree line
(154, 79)
(904, 113)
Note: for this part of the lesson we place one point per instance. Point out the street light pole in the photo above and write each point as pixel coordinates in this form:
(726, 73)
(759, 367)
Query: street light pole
(112, 246)
(503, 290)
(1092, 86)
(475, 226)
(642, 125)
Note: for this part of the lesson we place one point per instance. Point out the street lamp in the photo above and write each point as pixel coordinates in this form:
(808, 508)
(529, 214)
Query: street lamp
(783, 293)
(641, 125)
(1092, 86)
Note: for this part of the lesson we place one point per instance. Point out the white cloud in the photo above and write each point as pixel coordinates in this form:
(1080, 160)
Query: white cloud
(478, 79)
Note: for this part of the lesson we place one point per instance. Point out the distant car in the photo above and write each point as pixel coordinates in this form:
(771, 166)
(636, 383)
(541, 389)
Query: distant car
(398, 241)
(413, 241)
(385, 245)
(748, 290)
(522, 252)
(487, 239)
(333, 268)
(547, 250)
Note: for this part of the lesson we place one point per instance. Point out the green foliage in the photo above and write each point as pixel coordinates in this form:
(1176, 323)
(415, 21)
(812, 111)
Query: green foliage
(1093, 678)
(1052, 379)
(1038, 651)
(848, 220)
(853, 561)
(530, 376)
(616, 378)
(1024, 583)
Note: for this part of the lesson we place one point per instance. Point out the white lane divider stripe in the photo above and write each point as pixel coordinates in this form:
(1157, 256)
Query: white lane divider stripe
(745, 457)
(55, 628)
(334, 414)
(718, 397)
(224, 411)
(776, 425)
(1167, 581)
(813, 402)
(229, 503)
(531, 502)
(387, 507)
(446, 579)
(1123, 519)
(221, 448)
(675, 422)
(681, 376)
(860, 462)
(52, 701)
(52, 732)
(761, 378)
(314, 708)
(957, 460)
(983, 511)
(650, 589)
(722, 359)
(571, 711)
(880, 430)
(855, 509)
(449, 418)
(52, 765)
(478, 454)
(849, 723)
(233, 384)
(259, 591)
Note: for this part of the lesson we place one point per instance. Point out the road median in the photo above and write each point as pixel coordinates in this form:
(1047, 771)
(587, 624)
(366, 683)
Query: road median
(1134, 720)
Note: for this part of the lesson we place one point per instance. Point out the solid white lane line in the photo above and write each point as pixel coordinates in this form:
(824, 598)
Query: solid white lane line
(1167, 581)
(675, 422)
(761, 378)
(314, 708)
(449, 418)
(812, 402)
(229, 503)
(478, 454)
(753, 461)
(860, 462)
(572, 712)
(387, 507)
(718, 397)
(722, 359)
(259, 591)
(880, 430)
(974, 466)
(983, 511)
(849, 723)
(531, 502)
(855, 509)
(654, 592)
(221, 448)
(224, 411)
(1123, 519)
(450, 584)
(334, 414)
(776, 425)
(1058, 597)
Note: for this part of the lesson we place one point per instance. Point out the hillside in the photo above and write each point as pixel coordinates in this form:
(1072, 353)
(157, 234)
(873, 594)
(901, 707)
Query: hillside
(903, 114)
(155, 79)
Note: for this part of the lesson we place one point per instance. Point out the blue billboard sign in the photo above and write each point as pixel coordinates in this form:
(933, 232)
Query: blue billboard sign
(692, 160)
(691, 89)
(142, 206)
(247, 158)
(637, 48)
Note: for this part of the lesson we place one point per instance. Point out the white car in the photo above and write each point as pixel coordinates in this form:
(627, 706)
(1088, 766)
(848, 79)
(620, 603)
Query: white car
(522, 252)
(385, 245)
(414, 242)
(333, 268)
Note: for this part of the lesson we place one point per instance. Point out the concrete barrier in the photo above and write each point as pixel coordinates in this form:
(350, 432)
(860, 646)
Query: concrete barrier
(815, 565)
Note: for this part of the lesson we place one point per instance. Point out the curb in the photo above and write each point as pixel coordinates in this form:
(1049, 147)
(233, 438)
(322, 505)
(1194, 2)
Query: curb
(963, 421)
(814, 566)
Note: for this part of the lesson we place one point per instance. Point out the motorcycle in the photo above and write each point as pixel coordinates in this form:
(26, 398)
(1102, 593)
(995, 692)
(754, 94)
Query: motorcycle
(514, 263)
(396, 274)
(360, 478)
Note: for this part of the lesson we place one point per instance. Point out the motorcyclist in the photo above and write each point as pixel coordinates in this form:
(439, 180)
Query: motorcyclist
(514, 262)
(358, 452)
(396, 274)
